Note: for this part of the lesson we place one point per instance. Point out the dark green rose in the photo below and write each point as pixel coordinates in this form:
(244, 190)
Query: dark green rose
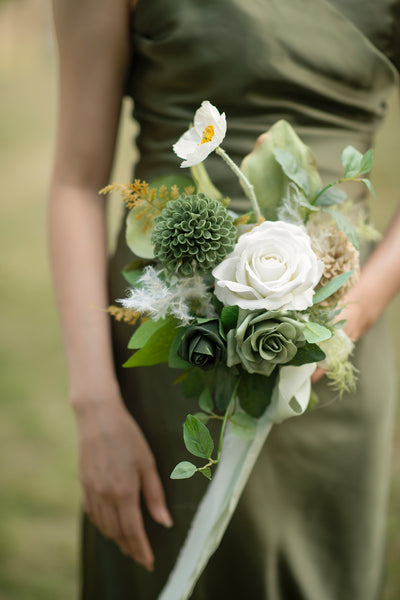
(202, 345)
(262, 340)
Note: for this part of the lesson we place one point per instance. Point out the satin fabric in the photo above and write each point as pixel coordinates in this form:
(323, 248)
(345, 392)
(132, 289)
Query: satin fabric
(310, 524)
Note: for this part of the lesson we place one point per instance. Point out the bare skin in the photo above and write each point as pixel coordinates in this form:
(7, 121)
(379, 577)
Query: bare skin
(115, 462)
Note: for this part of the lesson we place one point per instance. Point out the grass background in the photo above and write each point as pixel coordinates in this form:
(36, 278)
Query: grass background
(39, 495)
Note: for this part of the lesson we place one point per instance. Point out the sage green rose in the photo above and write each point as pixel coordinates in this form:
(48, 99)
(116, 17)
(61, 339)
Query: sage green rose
(262, 340)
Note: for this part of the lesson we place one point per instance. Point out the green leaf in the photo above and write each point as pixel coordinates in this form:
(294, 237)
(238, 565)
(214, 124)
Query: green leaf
(133, 270)
(205, 401)
(132, 276)
(225, 380)
(351, 161)
(156, 349)
(314, 332)
(229, 316)
(344, 225)
(203, 182)
(206, 472)
(194, 383)
(331, 287)
(197, 438)
(255, 392)
(202, 417)
(369, 186)
(138, 233)
(181, 181)
(308, 353)
(292, 169)
(144, 333)
(175, 361)
(366, 163)
(330, 197)
(243, 426)
(269, 181)
(183, 470)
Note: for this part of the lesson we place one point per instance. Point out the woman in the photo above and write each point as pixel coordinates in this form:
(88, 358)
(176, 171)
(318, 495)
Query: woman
(311, 519)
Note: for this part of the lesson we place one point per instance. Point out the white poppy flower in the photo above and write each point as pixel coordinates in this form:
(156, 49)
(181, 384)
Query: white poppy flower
(272, 266)
(205, 136)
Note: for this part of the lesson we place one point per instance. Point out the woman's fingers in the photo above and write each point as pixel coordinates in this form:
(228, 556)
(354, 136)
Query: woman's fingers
(133, 532)
(154, 496)
(318, 373)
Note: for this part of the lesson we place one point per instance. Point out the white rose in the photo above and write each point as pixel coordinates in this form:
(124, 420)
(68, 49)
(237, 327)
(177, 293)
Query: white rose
(272, 266)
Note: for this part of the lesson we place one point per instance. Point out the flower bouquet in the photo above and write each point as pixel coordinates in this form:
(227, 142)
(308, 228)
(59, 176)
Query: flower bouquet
(244, 305)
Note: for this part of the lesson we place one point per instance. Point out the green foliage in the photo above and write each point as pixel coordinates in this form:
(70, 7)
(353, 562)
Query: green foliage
(206, 471)
(144, 332)
(308, 353)
(344, 225)
(314, 332)
(175, 361)
(265, 173)
(205, 401)
(156, 349)
(330, 196)
(229, 316)
(197, 438)
(243, 425)
(183, 470)
(225, 380)
(331, 287)
(204, 184)
(255, 392)
(292, 169)
(134, 270)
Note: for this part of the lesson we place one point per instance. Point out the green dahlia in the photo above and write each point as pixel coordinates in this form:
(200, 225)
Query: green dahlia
(193, 234)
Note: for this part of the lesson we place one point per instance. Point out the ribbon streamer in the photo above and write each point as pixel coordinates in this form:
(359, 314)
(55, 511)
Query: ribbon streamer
(290, 398)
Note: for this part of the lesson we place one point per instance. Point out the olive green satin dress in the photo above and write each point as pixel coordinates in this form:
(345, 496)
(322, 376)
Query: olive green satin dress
(310, 523)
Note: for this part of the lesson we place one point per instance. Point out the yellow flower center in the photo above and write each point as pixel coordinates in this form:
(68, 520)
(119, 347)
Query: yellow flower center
(208, 134)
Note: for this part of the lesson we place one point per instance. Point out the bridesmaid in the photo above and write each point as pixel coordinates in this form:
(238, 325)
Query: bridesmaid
(116, 464)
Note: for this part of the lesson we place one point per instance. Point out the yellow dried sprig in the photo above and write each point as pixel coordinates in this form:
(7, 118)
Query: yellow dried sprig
(123, 314)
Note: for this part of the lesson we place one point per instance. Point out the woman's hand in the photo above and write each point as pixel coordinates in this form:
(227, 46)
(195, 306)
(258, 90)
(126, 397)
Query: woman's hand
(116, 464)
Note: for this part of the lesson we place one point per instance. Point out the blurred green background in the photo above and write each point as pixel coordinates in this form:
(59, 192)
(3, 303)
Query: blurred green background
(39, 494)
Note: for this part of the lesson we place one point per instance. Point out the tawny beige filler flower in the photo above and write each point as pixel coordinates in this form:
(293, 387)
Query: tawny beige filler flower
(205, 136)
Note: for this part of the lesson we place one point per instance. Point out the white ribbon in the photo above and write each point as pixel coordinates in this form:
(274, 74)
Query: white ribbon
(290, 398)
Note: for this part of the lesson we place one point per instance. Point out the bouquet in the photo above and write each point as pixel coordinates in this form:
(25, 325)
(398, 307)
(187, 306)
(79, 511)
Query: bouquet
(244, 305)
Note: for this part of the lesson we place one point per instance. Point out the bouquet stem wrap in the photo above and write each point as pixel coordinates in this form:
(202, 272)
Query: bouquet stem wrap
(290, 398)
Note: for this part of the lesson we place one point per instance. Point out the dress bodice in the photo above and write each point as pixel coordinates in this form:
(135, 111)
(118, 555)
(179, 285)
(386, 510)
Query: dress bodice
(324, 66)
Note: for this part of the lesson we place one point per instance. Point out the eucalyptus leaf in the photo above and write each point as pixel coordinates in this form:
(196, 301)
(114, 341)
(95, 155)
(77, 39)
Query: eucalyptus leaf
(344, 225)
(369, 186)
(197, 438)
(243, 425)
(255, 392)
(203, 182)
(315, 333)
(138, 233)
(156, 349)
(144, 333)
(292, 169)
(366, 163)
(331, 287)
(180, 180)
(330, 197)
(351, 161)
(183, 470)
(206, 401)
(269, 181)
(309, 353)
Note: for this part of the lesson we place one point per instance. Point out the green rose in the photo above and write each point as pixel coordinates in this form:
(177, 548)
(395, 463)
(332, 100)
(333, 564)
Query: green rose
(262, 340)
(202, 345)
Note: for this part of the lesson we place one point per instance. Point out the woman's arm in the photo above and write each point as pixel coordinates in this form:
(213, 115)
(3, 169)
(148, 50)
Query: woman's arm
(115, 460)
(378, 284)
